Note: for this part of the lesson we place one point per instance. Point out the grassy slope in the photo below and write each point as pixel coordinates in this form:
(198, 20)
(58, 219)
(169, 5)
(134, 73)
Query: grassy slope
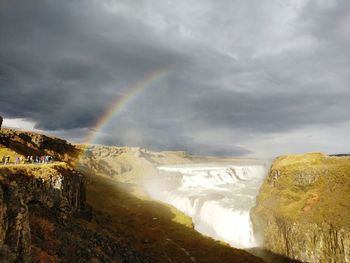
(158, 230)
(8, 152)
(35, 170)
(324, 196)
(23, 143)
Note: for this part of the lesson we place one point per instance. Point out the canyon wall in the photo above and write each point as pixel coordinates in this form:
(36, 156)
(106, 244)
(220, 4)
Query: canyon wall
(303, 210)
(57, 188)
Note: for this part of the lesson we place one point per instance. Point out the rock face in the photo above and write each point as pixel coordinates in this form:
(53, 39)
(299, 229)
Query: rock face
(1, 122)
(303, 208)
(58, 189)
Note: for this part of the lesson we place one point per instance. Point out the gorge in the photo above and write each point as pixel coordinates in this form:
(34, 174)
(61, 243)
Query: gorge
(218, 197)
(136, 205)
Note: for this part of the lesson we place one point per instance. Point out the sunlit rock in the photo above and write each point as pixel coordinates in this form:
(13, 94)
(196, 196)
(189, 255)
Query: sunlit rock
(302, 209)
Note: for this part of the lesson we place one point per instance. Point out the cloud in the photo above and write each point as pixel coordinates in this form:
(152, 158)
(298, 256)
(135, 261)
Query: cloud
(239, 73)
(19, 123)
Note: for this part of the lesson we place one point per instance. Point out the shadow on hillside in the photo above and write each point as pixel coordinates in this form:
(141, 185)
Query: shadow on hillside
(270, 257)
(149, 226)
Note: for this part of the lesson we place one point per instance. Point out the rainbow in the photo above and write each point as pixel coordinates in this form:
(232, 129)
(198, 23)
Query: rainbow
(122, 102)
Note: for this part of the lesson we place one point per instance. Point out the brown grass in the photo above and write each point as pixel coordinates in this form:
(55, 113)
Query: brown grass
(33, 170)
(42, 226)
(320, 200)
(42, 256)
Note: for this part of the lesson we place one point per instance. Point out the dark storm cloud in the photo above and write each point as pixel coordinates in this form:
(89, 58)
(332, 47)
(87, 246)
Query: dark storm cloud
(239, 73)
(59, 65)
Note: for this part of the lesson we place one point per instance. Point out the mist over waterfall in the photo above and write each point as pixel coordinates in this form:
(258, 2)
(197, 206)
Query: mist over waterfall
(218, 197)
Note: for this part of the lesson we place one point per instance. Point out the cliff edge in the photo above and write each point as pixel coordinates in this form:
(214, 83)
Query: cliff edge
(55, 188)
(303, 209)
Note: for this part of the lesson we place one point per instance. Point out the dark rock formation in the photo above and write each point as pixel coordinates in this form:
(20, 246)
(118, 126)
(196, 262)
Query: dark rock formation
(303, 209)
(61, 190)
(1, 119)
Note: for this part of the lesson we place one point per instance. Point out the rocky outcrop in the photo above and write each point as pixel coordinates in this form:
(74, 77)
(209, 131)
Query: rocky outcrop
(30, 143)
(58, 189)
(1, 119)
(303, 210)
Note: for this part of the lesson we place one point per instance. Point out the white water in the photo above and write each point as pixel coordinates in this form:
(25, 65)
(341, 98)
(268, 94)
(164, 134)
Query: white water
(217, 197)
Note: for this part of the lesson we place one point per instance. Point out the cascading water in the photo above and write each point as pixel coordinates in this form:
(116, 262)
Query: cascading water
(217, 197)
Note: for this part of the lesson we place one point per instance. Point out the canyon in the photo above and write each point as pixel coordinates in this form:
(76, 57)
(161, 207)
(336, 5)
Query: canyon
(88, 206)
(98, 203)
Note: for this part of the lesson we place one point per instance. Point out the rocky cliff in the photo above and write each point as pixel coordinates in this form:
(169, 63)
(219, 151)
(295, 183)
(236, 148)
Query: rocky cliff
(303, 209)
(44, 216)
(55, 188)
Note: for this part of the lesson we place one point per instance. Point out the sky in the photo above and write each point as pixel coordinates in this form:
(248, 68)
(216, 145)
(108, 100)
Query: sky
(247, 78)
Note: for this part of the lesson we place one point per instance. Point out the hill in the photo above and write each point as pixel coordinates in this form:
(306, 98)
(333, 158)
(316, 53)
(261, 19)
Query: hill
(23, 143)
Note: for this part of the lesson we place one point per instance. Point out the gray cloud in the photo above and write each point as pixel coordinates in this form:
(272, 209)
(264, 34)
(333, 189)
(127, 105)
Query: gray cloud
(242, 76)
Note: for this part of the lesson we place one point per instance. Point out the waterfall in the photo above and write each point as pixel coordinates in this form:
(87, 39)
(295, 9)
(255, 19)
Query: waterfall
(217, 197)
